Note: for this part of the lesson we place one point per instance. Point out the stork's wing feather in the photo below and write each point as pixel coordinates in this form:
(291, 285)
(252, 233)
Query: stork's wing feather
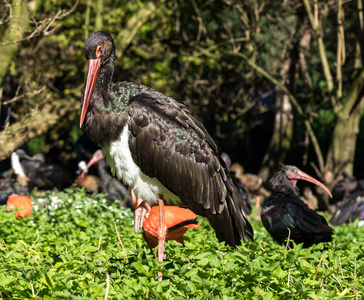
(166, 142)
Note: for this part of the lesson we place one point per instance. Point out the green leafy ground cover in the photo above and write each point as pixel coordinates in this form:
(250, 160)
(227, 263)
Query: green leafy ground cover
(68, 249)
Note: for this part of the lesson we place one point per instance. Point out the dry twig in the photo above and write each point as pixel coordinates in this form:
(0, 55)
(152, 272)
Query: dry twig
(107, 286)
(35, 241)
(289, 236)
(121, 243)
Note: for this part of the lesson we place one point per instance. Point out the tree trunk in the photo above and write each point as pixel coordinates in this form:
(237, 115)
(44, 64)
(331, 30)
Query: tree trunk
(340, 156)
(98, 23)
(14, 32)
(283, 124)
(281, 138)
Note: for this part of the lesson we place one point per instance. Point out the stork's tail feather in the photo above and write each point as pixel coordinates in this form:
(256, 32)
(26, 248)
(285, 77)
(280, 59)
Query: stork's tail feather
(232, 225)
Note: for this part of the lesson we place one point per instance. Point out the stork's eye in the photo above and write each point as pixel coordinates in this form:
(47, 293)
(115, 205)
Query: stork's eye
(98, 50)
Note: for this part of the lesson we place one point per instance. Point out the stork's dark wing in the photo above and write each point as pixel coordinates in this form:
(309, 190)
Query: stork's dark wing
(168, 143)
(278, 215)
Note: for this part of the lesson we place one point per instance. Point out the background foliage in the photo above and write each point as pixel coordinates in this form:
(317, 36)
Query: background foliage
(212, 55)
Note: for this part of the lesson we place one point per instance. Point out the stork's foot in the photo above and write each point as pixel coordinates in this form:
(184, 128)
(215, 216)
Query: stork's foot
(141, 213)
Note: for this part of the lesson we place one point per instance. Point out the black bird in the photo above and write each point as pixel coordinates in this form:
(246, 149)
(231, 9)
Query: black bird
(285, 210)
(240, 186)
(157, 147)
(345, 186)
(36, 173)
(350, 209)
(109, 185)
(6, 189)
(89, 181)
(350, 192)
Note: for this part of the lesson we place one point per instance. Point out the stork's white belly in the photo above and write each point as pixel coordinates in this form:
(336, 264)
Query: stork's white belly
(120, 161)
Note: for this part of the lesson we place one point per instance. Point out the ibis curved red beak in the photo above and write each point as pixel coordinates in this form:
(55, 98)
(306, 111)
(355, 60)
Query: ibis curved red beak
(95, 158)
(93, 69)
(303, 176)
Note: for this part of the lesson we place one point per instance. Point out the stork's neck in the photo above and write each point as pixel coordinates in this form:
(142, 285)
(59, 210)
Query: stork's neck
(106, 72)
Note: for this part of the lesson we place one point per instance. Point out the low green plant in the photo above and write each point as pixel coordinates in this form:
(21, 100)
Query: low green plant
(69, 249)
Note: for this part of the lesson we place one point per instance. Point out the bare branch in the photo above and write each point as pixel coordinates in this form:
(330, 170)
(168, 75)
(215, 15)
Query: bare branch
(340, 49)
(35, 124)
(32, 94)
(43, 26)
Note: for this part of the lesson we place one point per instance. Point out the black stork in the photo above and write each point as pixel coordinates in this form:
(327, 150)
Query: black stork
(157, 147)
(285, 210)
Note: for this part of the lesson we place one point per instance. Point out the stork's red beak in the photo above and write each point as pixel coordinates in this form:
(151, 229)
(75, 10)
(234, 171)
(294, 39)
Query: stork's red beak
(303, 176)
(93, 69)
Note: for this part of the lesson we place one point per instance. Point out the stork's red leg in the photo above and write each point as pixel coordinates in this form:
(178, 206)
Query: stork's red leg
(161, 234)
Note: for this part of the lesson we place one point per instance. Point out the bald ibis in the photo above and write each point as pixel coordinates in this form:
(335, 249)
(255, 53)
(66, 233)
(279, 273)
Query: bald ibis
(157, 147)
(34, 172)
(242, 189)
(285, 210)
(109, 185)
(350, 209)
(6, 189)
(88, 181)
(350, 192)
(346, 185)
(253, 182)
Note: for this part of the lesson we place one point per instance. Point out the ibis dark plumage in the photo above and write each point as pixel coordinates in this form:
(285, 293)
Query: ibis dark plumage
(350, 209)
(347, 185)
(350, 192)
(285, 210)
(157, 147)
(34, 172)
